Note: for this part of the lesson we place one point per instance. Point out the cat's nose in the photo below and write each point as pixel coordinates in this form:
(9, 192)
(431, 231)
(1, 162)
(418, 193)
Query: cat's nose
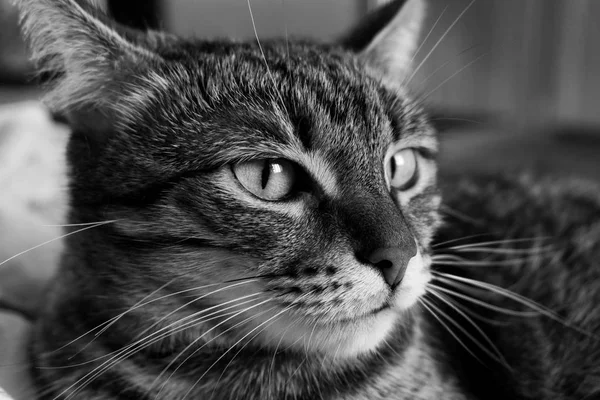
(392, 262)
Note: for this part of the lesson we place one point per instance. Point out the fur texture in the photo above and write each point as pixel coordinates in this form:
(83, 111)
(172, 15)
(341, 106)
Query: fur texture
(188, 285)
(550, 356)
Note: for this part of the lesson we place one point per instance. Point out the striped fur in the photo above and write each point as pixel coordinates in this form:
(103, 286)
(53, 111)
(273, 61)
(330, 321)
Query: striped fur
(290, 307)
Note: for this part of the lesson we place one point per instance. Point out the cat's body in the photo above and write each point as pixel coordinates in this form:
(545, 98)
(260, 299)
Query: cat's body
(550, 356)
(257, 223)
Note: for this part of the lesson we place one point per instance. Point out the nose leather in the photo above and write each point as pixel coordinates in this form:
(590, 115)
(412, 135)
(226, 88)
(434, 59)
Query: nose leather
(392, 262)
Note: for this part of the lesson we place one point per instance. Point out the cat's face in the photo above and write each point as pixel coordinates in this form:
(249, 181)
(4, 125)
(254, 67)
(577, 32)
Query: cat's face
(294, 184)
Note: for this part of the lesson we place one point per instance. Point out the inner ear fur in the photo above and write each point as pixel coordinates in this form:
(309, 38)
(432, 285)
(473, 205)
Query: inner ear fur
(90, 60)
(388, 38)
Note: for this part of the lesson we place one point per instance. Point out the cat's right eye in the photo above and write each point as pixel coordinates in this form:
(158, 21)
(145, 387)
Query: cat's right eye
(267, 179)
(402, 169)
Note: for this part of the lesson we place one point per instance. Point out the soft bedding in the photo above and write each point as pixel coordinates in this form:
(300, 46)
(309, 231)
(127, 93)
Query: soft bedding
(32, 187)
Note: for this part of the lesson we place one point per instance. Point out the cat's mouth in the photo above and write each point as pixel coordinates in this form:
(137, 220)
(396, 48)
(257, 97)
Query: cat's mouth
(384, 307)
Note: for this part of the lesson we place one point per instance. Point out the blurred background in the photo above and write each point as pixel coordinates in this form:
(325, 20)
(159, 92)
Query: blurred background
(512, 83)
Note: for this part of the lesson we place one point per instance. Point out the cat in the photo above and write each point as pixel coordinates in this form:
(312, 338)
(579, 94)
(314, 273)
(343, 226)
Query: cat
(263, 220)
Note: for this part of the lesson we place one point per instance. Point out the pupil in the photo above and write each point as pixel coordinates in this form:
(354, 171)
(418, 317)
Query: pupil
(266, 173)
(393, 167)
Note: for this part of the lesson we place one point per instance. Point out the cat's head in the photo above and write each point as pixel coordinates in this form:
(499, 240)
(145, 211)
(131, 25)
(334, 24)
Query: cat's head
(292, 184)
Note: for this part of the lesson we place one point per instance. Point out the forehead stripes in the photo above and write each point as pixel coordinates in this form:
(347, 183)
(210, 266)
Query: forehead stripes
(321, 110)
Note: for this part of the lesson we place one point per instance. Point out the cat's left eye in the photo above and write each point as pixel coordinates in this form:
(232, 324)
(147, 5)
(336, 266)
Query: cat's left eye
(402, 169)
(268, 179)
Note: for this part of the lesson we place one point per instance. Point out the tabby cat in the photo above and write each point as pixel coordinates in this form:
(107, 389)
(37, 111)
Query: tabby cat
(261, 220)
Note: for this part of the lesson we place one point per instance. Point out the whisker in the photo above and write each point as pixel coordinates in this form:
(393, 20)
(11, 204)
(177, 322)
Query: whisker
(197, 299)
(234, 303)
(307, 345)
(491, 263)
(435, 89)
(141, 346)
(127, 352)
(74, 225)
(263, 55)
(140, 304)
(193, 343)
(427, 305)
(460, 216)
(517, 298)
(448, 257)
(266, 324)
(498, 357)
(509, 251)
(416, 53)
(480, 317)
(337, 350)
(459, 239)
(285, 26)
(287, 382)
(484, 304)
(272, 366)
(432, 74)
(416, 70)
(391, 348)
(295, 342)
(55, 239)
(111, 321)
(474, 291)
(499, 242)
(473, 339)
(455, 260)
(222, 333)
(231, 347)
(118, 357)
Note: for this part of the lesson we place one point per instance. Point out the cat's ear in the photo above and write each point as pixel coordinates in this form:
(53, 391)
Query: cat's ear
(89, 60)
(388, 38)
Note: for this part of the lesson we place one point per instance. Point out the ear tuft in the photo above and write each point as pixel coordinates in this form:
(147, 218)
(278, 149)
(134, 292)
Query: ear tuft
(392, 34)
(72, 41)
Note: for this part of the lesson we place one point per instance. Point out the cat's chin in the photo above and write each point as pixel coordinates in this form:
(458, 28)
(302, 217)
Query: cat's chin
(337, 340)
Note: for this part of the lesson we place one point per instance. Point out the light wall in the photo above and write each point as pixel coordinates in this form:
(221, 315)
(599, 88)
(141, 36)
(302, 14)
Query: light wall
(539, 59)
(321, 19)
